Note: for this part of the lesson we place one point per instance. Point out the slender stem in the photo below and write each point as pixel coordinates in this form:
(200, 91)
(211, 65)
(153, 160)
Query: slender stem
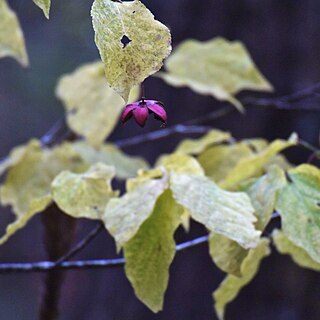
(80, 245)
(310, 147)
(160, 134)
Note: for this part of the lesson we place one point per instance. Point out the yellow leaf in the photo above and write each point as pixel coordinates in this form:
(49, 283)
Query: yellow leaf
(231, 285)
(93, 109)
(222, 212)
(263, 194)
(227, 254)
(44, 5)
(11, 36)
(180, 163)
(124, 216)
(131, 42)
(196, 146)
(218, 161)
(299, 206)
(298, 254)
(126, 166)
(150, 252)
(218, 67)
(84, 195)
(27, 187)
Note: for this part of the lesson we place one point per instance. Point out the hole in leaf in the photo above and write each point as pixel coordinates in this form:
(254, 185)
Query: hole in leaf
(125, 41)
(133, 12)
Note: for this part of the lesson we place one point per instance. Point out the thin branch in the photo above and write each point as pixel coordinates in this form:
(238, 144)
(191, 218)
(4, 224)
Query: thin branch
(45, 266)
(315, 151)
(286, 102)
(160, 134)
(80, 245)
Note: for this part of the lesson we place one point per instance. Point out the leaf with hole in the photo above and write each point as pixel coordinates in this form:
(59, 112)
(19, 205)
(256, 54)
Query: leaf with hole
(131, 42)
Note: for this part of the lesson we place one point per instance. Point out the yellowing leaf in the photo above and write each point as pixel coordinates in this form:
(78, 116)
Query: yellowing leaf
(143, 176)
(227, 254)
(231, 286)
(218, 161)
(27, 187)
(218, 67)
(11, 36)
(150, 252)
(298, 254)
(84, 195)
(44, 5)
(263, 193)
(222, 212)
(131, 42)
(93, 109)
(196, 146)
(126, 166)
(124, 216)
(180, 163)
(35, 206)
(299, 206)
(252, 165)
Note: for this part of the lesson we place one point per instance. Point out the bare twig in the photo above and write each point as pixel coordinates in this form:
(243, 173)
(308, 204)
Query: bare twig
(46, 266)
(287, 102)
(80, 245)
(315, 151)
(160, 134)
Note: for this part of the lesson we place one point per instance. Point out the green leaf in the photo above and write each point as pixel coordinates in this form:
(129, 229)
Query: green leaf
(227, 254)
(150, 252)
(180, 163)
(231, 286)
(124, 216)
(298, 254)
(27, 187)
(93, 109)
(11, 37)
(44, 5)
(196, 146)
(299, 206)
(222, 212)
(128, 64)
(84, 195)
(126, 166)
(263, 194)
(218, 67)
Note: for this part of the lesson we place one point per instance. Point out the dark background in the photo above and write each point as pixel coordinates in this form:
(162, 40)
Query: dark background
(282, 37)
